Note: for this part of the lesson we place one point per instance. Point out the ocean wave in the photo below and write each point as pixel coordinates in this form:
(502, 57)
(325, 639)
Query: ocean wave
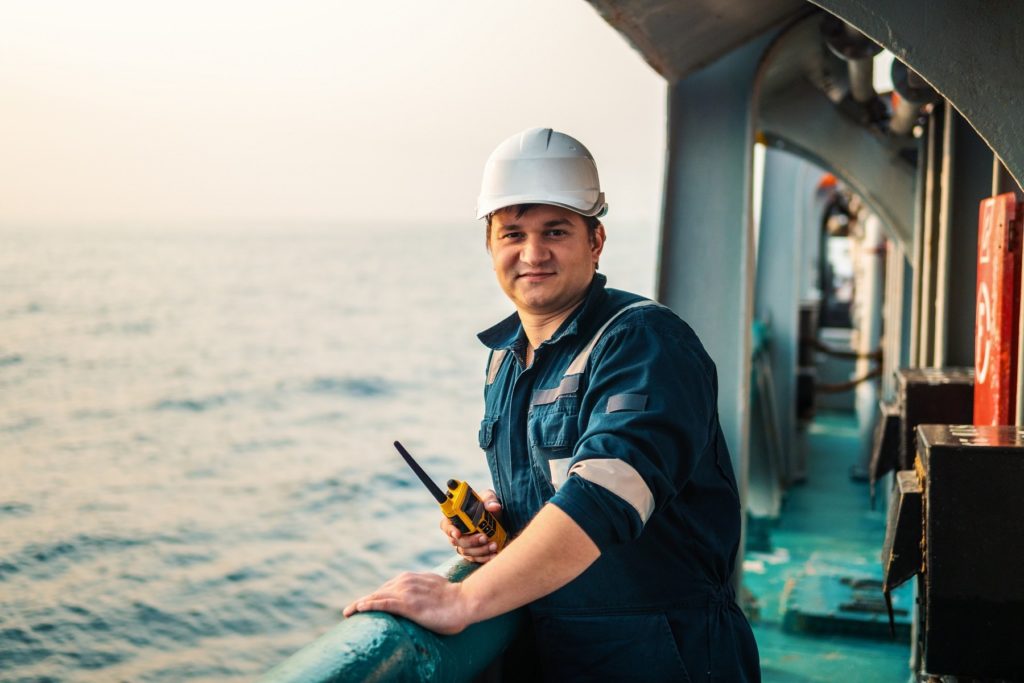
(93, 414)
(319, 495)
(20, 636)
(10, 359)
(365, 387)
(262, 445)
(331, 416)
(69, 634)
(390, 481)
(15, 508)
(131, 327)
(20, 425)
(31, 307)
(91, 660)
(195, 405)
(55, 557)
(433, 557)
(165, 625)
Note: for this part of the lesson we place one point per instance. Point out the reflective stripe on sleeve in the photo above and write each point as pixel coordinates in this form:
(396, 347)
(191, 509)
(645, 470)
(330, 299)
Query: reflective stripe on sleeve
(619, 477)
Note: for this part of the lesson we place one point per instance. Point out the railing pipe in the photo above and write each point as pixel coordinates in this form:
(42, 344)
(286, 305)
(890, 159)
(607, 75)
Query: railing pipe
(376, 646)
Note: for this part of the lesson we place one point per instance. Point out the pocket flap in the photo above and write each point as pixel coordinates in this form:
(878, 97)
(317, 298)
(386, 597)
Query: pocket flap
(486, 435)
(553, 430)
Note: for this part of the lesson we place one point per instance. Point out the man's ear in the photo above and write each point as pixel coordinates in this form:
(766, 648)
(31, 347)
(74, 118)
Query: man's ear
(597, 240)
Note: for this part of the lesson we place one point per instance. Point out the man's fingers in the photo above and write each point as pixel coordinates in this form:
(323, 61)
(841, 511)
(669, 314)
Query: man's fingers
(360, 605)
(451, 533)
(473, 541)
(480, 553)
(379, 605)
(487, 556)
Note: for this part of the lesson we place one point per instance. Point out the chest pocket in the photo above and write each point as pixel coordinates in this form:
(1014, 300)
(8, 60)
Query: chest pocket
(486, 434)
(553, 430)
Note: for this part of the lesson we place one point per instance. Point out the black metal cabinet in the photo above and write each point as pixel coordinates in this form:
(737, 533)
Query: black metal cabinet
(972, 588)
(931, 396)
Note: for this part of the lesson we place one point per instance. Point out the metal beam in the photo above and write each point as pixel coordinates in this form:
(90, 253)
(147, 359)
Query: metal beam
(679, 38)
(706, 273)
(789, 215)
(800, 119)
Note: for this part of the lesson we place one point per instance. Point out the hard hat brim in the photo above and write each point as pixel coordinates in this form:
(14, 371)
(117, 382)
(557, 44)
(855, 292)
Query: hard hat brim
(489, 205)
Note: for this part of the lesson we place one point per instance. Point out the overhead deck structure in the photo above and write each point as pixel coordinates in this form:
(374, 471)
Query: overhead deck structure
(737, 69)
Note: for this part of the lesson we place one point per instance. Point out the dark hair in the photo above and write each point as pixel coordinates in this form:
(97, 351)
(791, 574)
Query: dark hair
(521, 209)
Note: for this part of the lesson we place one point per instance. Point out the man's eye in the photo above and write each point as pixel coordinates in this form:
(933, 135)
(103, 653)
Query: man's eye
(557, 233)
(511, 235)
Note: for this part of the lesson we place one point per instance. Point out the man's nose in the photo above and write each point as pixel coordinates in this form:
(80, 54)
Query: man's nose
(534, 252)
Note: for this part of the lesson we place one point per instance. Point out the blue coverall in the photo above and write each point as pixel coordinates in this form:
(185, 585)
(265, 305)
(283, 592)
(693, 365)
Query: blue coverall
(629, 445)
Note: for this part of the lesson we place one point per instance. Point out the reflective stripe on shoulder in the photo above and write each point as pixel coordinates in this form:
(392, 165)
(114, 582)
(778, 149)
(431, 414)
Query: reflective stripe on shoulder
(621, 478)
(496, 358)
(579, 363)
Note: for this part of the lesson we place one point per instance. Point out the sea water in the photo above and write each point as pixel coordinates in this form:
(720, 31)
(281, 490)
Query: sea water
(196, 469)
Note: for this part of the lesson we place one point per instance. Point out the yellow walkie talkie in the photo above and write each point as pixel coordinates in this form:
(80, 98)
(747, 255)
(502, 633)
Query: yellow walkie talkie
(461, 505)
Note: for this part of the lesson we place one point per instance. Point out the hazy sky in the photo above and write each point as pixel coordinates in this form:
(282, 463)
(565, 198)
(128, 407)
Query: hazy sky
(145, 113)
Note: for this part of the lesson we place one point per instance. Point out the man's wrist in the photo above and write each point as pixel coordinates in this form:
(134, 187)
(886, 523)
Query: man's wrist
(471, 604)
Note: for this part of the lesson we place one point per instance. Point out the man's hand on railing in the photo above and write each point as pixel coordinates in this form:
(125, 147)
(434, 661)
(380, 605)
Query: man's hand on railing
(424, 597)
(475, 547)
(552, 551)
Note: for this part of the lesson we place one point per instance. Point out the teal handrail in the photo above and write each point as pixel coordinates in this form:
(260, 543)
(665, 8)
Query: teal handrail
(375, 646)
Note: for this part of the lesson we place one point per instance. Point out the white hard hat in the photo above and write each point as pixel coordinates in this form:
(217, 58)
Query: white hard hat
(541, 166)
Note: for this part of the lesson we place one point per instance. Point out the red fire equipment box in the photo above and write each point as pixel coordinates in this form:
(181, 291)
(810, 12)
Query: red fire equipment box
(995, 332)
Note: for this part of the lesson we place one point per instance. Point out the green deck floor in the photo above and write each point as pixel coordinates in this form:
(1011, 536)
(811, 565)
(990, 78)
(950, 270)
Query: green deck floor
(829, 514)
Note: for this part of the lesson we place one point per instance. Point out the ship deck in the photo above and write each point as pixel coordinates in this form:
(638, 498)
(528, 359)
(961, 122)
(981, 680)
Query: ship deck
(825, 522)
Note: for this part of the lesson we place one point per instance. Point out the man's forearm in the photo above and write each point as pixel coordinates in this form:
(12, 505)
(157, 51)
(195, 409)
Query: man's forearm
(552, 551)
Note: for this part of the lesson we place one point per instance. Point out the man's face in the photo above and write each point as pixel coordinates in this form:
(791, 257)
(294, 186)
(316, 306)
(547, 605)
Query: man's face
(544, 259)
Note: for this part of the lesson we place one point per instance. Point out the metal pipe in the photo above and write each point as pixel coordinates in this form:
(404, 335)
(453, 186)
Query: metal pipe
(868, 293)
(857, 50)
(912, 94)
(861, 73)
(917, 257)
(904, 116)
(892, 325)
(942, 259)
(925, 340)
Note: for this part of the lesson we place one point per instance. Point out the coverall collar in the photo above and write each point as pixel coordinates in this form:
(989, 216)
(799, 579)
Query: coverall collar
(509, 334)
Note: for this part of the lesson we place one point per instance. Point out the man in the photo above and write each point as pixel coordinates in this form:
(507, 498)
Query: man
(602, 436)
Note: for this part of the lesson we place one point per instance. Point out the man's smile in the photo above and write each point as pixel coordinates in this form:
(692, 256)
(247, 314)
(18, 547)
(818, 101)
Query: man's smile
(536, 275)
